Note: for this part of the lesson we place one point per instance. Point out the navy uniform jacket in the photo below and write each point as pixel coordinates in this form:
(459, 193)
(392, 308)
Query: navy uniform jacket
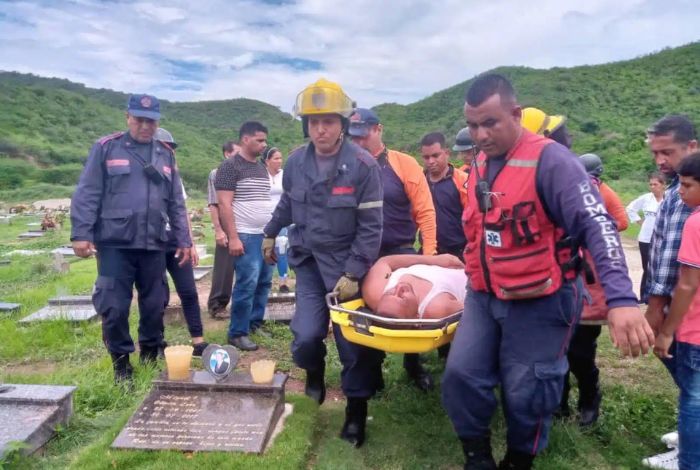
(116, 204)
(337, 219)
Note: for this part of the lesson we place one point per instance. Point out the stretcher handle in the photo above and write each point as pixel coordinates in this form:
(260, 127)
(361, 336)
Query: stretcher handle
(333, 303)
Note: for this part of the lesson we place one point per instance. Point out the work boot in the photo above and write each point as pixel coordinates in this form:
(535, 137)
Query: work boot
(123, 372)
(244, 343)
(148, 354)
(477, 453)
(516, 461)
(589, 409)
(355, 419)
(420, 377)
(198, 349)
(316, 384)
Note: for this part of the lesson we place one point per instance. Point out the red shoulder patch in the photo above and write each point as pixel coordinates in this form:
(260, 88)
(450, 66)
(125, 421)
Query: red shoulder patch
(107, 138)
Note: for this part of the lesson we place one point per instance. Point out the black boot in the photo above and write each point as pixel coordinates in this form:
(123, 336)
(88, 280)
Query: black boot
(477, 453)
(355, 419)
(516, 460)
(148, 354)
(589, 409)
(316, 384)
(123, 371)
(420, 377)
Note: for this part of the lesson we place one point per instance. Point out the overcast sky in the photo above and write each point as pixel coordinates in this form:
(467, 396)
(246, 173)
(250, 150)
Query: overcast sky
(379, 51)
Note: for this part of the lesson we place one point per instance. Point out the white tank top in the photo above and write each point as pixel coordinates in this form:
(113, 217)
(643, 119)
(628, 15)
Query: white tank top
(449, 280)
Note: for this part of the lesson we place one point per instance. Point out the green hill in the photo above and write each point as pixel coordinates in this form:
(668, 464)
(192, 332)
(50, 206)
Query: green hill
(48, 124)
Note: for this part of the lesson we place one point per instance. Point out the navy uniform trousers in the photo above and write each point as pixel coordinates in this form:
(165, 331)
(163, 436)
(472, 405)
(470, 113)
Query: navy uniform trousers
(361, 373)
(118, 271)
(520, 345)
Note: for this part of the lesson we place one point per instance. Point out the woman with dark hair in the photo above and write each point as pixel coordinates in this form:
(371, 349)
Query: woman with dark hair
(272, 157)
(647, 204)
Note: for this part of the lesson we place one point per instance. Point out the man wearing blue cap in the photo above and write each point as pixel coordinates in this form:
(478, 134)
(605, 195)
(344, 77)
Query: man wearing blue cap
(408, 207)
(127, 203)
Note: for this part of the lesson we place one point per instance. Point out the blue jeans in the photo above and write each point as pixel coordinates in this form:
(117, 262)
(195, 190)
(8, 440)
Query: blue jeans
(282, 263)
(688, 379)
(253, 282)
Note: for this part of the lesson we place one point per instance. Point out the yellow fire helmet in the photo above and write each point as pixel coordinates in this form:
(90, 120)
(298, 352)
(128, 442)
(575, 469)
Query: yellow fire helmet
(535, 120)
(323, 97)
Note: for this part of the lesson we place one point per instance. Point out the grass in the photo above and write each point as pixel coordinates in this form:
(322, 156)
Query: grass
(408, 429)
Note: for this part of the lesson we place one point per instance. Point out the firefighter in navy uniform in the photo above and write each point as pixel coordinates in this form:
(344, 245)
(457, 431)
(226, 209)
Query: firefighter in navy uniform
(530, 205)
(128, 201)
(333, 196)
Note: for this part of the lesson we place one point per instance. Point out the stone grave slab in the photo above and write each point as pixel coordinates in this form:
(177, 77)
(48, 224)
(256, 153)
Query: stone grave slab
(68, 307)
(64, 251)
(4, 262)
(9, 307)
(280, 306)
(30, 234)
(201, 271)
(31, 413)
(203, 414)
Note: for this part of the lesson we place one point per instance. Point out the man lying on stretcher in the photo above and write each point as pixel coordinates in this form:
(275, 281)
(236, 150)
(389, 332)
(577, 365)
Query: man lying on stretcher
(415, 286)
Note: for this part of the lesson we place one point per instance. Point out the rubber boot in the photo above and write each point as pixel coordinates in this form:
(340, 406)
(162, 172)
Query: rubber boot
(589, 408)
(316, 384)
(477, 454)
(123, 372)
(420, 377)
(516, 461)
(355, 420)
(148, 354)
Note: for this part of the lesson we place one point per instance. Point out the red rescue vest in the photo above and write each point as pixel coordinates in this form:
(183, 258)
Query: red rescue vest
(513, 248)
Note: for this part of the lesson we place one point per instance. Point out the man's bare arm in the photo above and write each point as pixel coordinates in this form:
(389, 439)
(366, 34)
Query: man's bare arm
(228, 222)
(219, 234)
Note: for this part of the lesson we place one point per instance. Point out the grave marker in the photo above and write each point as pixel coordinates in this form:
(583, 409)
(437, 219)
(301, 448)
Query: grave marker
(31, 413)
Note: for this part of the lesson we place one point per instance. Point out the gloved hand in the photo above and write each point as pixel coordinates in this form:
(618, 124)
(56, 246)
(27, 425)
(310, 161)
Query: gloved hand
(347, 287)
(268, 250)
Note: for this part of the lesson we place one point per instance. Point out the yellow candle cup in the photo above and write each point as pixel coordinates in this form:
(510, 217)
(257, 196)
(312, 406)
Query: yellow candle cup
(177, 360)
(262, 371)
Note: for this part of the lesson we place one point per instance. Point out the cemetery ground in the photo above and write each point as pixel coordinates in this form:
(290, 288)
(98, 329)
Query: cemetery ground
(408, 429)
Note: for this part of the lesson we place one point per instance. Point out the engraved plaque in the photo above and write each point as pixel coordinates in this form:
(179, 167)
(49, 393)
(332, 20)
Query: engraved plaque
(201, 414)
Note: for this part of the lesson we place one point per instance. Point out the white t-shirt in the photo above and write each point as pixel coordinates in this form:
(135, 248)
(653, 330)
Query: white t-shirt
(450, 280)
(647, 204)
(276, 188)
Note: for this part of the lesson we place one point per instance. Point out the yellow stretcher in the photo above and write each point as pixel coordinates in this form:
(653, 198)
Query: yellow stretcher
(390, 334)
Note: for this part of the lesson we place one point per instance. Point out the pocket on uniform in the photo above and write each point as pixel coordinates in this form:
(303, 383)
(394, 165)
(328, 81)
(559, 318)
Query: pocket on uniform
(549, 383)
(118, 177)
(342, 212)
(299, 207)
(101, 294)
(117, 226)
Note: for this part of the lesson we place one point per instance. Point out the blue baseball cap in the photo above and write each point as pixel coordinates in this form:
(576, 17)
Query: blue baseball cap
(146, 106)
(361, 120)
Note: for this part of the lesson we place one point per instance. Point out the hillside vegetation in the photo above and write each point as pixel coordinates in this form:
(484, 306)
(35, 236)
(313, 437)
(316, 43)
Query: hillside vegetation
(47, 124)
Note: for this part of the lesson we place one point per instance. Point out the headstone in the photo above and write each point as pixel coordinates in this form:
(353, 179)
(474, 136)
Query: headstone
(280, 306)
(206, 414)
(31, 413)
(201, 271)
(9, 307)
(30, 234)
(201, 250)
(34, 224)
(69, 307)
(59, 264)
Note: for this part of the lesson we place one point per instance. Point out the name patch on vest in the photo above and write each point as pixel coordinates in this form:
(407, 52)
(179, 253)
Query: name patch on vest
(338, 190)
(117, 162)
(493, 238)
